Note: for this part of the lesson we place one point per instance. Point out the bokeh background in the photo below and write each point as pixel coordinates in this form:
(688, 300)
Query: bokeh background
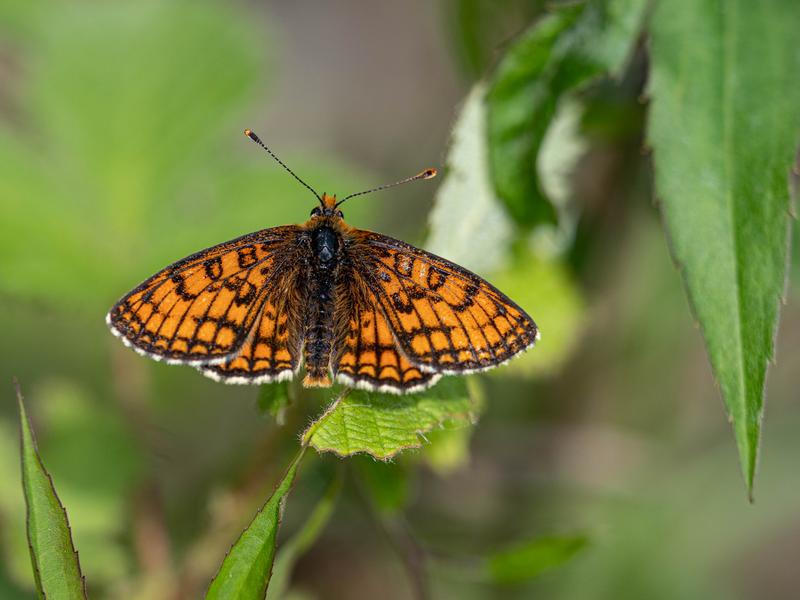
(121, 151)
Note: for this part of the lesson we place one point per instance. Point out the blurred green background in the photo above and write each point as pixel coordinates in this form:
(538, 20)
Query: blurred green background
(121, 151)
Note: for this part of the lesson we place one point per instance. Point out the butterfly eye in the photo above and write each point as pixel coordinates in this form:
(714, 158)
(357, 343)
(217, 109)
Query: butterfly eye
(340, 214)
(316, 211)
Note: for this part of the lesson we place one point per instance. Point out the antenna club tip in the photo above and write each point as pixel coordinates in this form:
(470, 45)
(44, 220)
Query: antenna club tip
(249, 133)
(428, 173)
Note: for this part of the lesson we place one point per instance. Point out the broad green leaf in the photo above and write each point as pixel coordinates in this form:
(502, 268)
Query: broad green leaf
(561, 52)
(531, 559)
(382, 424)
(53, 556)
(245, 573)
(724, 126)
(299, 544)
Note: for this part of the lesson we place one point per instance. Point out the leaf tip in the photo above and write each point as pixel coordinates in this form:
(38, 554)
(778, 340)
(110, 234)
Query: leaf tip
(24, 422)
(18, 390)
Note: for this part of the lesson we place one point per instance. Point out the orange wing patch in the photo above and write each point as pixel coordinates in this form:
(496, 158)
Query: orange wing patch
(370, 358)
(201, 309)
(271, 353)
(445, 318)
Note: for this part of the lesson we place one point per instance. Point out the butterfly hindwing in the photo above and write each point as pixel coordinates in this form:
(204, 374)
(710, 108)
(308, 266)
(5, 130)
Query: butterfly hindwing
(367, 354)
(444, 318)
(273, 350)
(201, 309)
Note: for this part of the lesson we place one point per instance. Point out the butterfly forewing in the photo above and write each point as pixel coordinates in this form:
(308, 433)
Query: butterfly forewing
(201, 309)
(445, 319)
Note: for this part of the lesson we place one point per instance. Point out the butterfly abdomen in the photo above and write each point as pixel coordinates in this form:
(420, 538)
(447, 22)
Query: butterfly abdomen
(325, 248)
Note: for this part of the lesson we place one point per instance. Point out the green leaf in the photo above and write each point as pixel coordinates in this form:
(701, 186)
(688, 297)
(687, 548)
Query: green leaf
(55, 562)
(484, 233)
(531, 559)
(273, 398)
(245, 573)
(724, 128)
(560, 53)
(382, 425)
(303, 540)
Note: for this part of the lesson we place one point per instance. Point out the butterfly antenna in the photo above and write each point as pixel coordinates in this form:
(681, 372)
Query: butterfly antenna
(426, 174)
(249, 133)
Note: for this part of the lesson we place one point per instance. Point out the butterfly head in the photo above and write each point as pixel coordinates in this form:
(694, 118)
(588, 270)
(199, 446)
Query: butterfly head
(327, 208)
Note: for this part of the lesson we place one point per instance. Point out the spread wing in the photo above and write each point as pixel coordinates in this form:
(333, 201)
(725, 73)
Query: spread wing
(203, 309)
(366, 354)
(273, 349)
(445, 319)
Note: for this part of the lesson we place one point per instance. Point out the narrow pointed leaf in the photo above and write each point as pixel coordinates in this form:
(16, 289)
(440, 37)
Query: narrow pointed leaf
(245, 573)
(384, 424)
(55, 562)
(724, 126)
(560, 53)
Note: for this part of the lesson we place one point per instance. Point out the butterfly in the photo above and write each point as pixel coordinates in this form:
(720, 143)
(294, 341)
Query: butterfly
(354, 306)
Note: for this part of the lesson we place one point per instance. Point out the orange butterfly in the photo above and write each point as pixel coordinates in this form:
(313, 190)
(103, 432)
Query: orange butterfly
(371, 311)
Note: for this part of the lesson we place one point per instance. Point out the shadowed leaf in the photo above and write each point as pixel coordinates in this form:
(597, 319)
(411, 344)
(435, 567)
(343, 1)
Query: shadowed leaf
(530, 559)
(273, 398)
(561, 52)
